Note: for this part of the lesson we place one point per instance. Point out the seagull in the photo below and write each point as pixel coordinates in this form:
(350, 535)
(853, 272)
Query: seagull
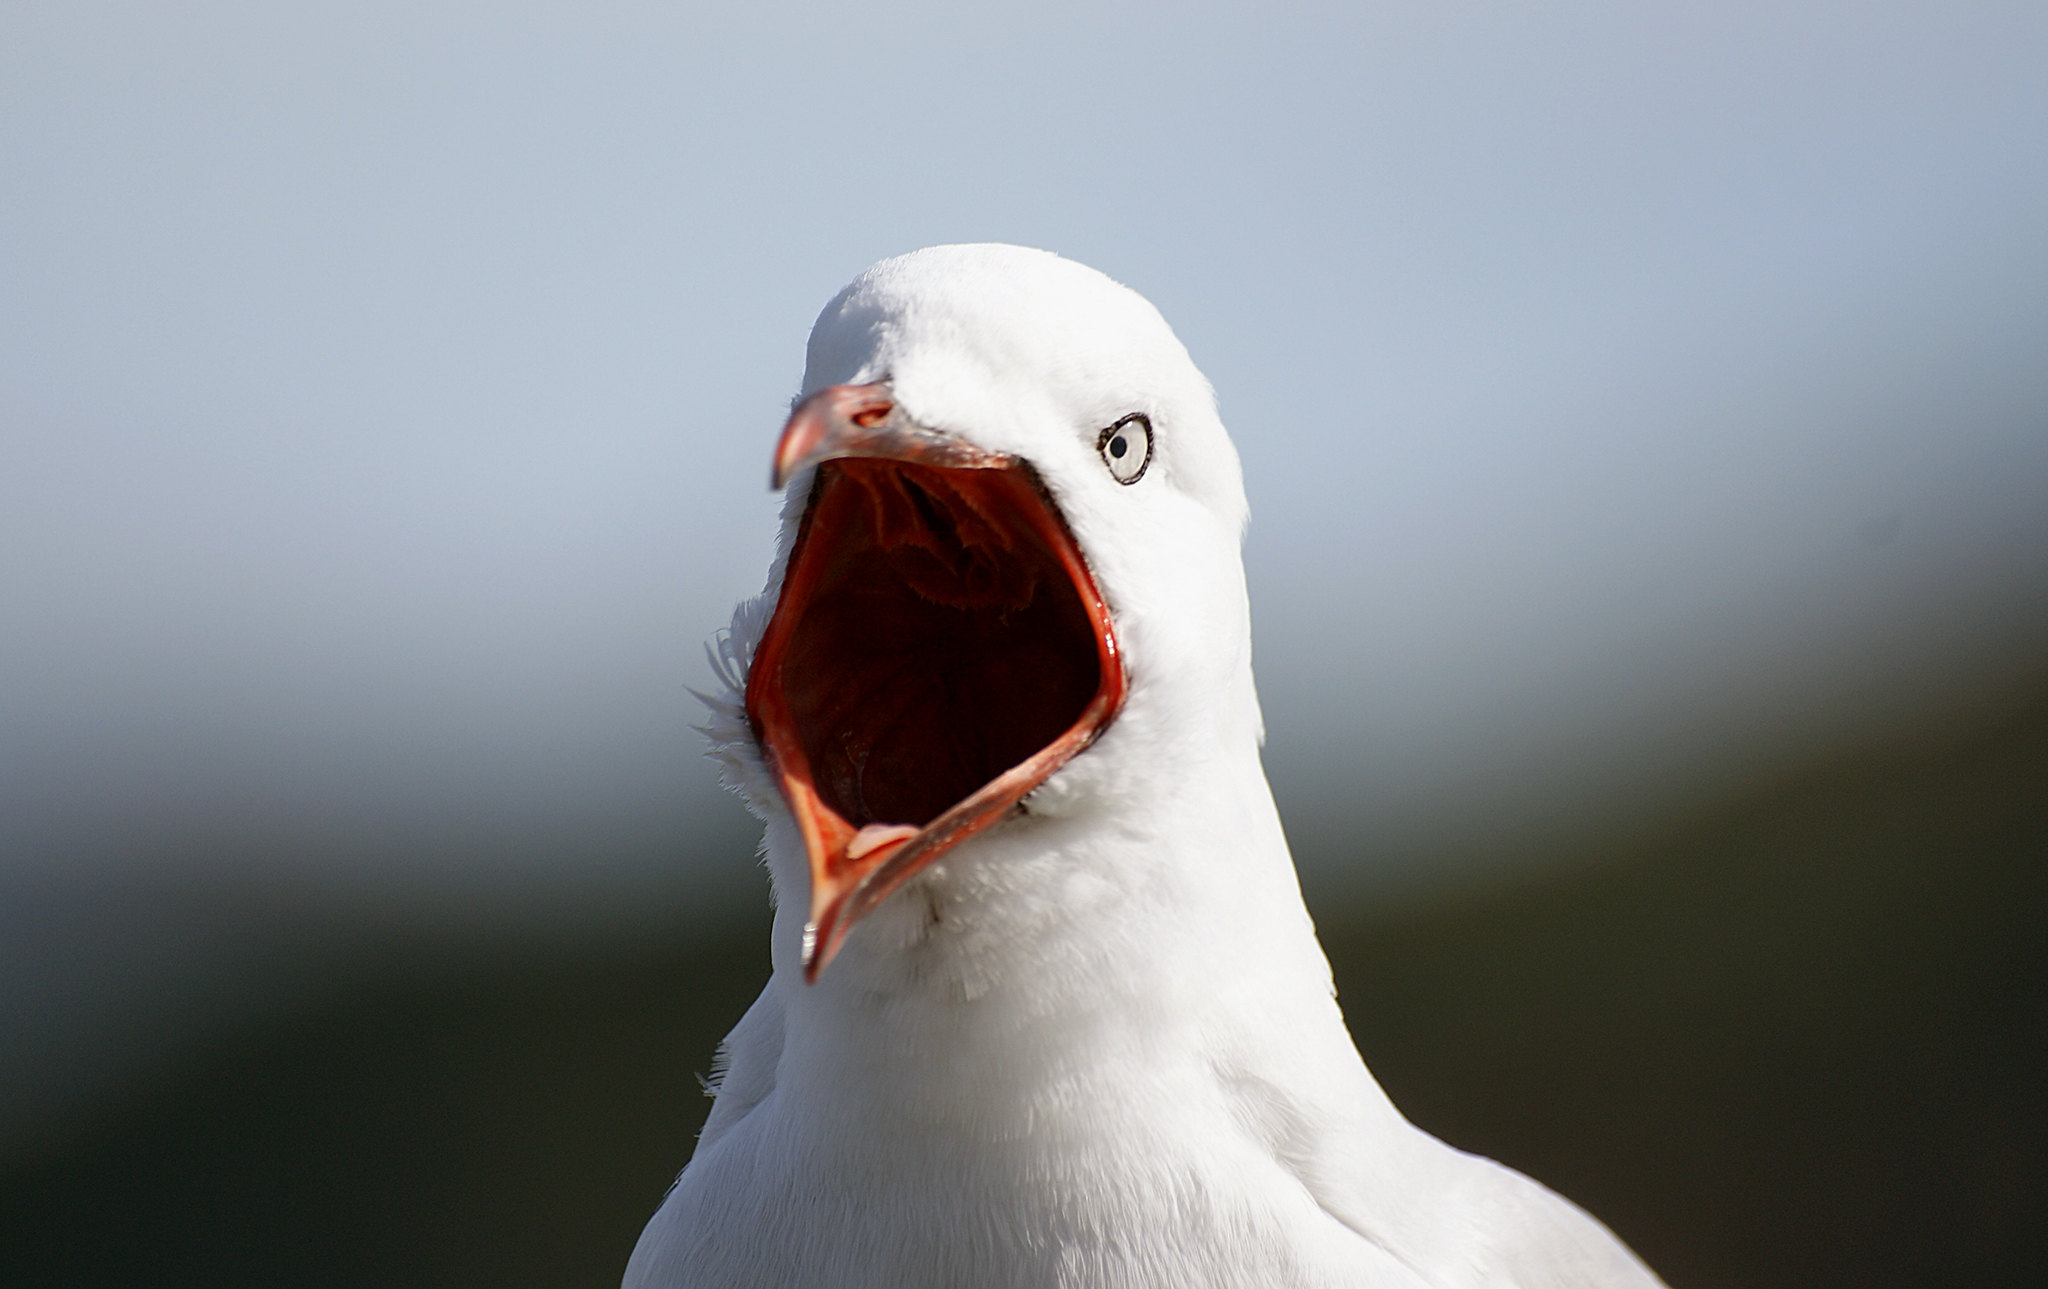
(1047, 1008)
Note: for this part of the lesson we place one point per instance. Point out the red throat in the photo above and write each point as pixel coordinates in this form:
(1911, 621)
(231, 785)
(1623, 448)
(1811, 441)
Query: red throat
(939, 648)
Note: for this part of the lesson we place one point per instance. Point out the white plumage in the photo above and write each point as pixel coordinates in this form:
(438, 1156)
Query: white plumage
(1094, 1043)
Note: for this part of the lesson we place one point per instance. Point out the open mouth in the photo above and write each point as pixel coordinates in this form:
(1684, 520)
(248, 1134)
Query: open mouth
(938, 650)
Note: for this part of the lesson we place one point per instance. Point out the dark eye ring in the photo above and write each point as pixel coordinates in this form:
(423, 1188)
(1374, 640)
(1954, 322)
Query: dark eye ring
(1126, 448)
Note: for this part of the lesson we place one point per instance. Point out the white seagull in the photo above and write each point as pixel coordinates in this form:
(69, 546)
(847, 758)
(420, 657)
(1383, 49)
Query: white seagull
(1047, 1009)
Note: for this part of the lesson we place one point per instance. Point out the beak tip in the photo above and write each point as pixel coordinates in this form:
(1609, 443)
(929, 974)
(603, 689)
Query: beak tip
(844, 420)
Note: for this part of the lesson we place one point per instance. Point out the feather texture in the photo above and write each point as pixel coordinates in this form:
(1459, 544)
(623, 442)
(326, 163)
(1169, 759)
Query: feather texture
(1096, 1045)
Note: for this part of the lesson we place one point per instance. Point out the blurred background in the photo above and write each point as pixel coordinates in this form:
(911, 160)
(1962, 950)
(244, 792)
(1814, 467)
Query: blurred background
(1645, 416)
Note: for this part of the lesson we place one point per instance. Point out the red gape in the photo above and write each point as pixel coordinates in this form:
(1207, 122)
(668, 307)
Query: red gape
(939, 648)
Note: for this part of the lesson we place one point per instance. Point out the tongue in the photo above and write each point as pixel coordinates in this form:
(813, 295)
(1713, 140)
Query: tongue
(875, 836)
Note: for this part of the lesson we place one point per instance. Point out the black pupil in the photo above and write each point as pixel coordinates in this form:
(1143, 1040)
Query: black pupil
(1117, 446)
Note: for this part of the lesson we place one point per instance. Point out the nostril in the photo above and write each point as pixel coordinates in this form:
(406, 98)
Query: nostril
(873, 414)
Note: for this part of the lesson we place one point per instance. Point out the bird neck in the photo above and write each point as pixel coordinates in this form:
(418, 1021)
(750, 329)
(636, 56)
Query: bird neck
(1138, 922)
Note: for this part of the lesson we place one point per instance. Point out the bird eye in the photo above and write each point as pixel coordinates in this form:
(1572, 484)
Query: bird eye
(1126, 448)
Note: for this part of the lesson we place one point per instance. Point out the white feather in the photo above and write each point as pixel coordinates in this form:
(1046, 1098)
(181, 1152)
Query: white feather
(1096, 1045)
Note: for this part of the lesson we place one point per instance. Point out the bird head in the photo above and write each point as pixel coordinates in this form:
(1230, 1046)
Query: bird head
(1009, 577)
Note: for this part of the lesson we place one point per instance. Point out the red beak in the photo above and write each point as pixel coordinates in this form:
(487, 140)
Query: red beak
(939, 648)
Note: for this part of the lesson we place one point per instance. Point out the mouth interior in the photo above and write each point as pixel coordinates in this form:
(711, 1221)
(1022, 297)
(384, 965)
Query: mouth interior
(936, 637)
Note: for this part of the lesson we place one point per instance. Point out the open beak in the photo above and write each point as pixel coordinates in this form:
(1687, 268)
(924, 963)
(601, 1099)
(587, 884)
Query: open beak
(939, 648)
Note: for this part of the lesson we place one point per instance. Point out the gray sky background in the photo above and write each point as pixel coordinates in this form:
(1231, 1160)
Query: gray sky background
(1630, 399)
